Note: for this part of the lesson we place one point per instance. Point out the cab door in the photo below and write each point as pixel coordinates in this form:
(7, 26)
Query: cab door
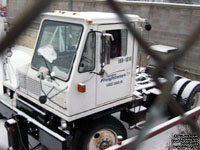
(116, 82)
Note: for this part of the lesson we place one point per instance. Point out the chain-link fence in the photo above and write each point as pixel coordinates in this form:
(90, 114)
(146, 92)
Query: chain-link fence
(164, 100)
(172, 1)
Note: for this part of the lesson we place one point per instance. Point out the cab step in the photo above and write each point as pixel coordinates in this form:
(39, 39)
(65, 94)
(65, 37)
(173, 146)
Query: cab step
(138, 126)
(133, 115)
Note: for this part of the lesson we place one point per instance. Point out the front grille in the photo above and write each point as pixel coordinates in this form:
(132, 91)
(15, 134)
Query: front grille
(28, 84)
(33, 86)
(22, 80)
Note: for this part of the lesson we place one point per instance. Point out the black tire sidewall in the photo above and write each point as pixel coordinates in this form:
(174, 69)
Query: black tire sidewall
(190, 98)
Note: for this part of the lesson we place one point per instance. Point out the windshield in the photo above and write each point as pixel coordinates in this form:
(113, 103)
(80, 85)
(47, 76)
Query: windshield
(56, 47)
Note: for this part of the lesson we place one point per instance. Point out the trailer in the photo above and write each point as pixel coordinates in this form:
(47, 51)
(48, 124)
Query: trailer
(82, 70)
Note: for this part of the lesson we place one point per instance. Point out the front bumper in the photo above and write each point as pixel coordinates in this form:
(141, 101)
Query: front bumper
(45, 136)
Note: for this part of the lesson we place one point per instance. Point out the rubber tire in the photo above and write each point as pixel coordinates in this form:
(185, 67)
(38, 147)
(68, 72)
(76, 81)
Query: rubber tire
(189, 102)
(187, 105)
(82, 135)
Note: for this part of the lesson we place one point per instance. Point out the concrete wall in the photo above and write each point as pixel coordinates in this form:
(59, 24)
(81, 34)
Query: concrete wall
(3, 3)
(172, 25)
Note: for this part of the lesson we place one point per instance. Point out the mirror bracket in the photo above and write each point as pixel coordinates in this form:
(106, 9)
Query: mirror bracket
(106, 48)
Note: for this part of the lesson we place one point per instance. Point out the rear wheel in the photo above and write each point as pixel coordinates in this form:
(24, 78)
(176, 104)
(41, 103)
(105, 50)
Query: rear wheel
(194, 99)
(191, 102)
(99, 134)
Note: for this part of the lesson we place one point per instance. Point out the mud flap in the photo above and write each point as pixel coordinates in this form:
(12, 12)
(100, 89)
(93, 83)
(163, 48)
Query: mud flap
(17, 133)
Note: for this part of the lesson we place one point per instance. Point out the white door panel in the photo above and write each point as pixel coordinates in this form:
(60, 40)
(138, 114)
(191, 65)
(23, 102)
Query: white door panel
(116, 83)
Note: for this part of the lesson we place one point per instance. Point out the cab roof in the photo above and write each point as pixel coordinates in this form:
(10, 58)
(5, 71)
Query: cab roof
(92, 17)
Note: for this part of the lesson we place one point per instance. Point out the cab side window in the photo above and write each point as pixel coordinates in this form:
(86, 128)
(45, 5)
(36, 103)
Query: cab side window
(119, 45)
(87, 62)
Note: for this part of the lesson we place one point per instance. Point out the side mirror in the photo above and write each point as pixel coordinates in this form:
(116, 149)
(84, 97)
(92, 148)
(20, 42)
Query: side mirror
(148, 26)
(106, 48)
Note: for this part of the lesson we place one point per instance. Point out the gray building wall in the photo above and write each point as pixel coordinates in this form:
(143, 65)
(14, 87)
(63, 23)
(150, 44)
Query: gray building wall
(172, 24)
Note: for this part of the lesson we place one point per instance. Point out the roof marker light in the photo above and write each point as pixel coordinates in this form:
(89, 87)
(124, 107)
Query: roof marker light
(90, 21)
(74, 14)
(53, 11)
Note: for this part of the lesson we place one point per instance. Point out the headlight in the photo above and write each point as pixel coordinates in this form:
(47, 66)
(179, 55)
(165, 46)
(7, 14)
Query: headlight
(63, 124)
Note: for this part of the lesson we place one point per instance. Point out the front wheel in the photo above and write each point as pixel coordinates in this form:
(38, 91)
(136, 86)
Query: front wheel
(99, 134)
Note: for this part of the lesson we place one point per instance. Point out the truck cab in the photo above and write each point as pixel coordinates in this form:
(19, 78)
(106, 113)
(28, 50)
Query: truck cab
(69, 70)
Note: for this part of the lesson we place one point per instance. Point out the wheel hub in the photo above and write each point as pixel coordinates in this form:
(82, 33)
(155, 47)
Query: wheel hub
(102, 139)
(104, 145)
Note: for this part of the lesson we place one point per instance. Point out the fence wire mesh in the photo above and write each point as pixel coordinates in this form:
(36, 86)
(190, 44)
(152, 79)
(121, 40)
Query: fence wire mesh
(164, 100)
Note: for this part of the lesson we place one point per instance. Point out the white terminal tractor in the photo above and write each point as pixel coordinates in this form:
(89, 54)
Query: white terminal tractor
(82, 70)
